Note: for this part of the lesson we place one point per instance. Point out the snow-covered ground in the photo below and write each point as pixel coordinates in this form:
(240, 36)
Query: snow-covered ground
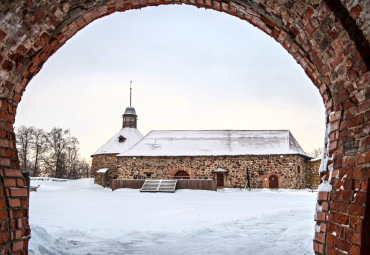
(79, 217)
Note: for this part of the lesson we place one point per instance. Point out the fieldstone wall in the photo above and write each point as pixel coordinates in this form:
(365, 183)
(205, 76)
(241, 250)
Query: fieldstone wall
(312, 174)
(102, 179)
(200, 167)
(329, 39)
(104, 161)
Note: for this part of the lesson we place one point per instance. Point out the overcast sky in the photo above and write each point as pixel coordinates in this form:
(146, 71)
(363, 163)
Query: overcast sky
(191, 69)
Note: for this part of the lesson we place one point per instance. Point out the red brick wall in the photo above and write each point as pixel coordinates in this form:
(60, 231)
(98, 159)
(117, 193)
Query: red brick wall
(329, 39)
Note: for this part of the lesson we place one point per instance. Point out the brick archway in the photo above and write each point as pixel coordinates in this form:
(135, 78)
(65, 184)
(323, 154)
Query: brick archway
(329, 39)
(188, 170)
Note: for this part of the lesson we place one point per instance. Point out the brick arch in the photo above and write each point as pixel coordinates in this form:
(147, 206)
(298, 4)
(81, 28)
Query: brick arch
(190, 171)
(329, 39)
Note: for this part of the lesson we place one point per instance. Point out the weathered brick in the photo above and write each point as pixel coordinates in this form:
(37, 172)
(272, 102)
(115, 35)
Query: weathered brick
(355, 223)
(321, 216)
(19, 192)
(363, 158)
(18, 246)
(356, 210)
(341, 218)
(342, 244)
(320, 237)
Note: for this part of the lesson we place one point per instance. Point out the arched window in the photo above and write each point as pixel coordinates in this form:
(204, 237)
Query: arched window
(181, 175)
(299, 169)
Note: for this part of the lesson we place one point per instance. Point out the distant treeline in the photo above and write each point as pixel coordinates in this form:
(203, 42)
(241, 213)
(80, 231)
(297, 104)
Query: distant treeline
(50, 153)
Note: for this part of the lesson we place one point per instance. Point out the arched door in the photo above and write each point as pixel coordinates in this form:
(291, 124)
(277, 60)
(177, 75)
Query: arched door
(273, 182)
(181, 175)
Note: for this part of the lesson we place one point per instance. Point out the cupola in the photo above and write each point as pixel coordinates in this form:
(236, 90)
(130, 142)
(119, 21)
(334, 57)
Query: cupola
(129, 117)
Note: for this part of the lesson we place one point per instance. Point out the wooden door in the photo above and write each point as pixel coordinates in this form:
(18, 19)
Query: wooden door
(220, 180)
(273, 182)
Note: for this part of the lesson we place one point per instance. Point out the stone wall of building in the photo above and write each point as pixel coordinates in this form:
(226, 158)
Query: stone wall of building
(104, 161)
(312, 174)
(290, 169)
(102, 179)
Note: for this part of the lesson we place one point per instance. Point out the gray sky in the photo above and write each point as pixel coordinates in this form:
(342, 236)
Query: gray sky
(191, 69)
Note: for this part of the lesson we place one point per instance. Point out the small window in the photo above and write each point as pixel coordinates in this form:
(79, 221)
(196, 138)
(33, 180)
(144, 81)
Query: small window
(299, 169)
(121, 139)
(148, 175)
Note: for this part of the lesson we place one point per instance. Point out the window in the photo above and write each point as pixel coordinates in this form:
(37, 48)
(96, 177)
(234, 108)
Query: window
(299, 169)
(121, 139)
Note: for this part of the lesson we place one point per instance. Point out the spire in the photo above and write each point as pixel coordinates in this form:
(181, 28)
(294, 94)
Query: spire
(130, 92)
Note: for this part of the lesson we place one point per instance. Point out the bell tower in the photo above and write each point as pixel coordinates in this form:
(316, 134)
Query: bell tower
(129, 117)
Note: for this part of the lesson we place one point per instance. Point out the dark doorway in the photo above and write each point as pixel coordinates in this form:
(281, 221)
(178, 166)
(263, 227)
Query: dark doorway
(220, 179)
(181, 175)
(273, 182)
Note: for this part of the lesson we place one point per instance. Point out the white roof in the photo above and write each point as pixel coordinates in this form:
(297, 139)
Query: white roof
(319, 157)
(102, 170)
(220, 170)
(215, 142)
(113, 146)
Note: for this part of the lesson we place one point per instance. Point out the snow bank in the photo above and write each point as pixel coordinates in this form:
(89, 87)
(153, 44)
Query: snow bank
(79, 217)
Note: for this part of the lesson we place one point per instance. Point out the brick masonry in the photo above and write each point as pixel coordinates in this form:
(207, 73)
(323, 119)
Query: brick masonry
(329, 39)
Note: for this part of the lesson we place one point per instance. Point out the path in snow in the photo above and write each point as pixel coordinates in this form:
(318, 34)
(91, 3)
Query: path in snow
(187, 222)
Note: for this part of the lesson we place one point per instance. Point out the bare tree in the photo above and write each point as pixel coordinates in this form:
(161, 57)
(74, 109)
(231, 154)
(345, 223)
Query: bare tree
(72, 157)
(39, 147)
(57, 142)
(83, 168)
(53, 153)
(24, 138)
(316, 152)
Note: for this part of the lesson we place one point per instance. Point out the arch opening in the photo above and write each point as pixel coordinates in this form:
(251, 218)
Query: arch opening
(181, 175)
(331, 60)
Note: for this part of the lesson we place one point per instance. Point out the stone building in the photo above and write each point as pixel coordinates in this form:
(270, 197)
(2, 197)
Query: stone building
(105, 156)
(268, 158)
(271, 158)
(312, 172)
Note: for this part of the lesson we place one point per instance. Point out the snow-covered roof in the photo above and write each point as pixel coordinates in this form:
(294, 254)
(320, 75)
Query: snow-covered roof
(319, 157)
(215, 142)
(220, 170)
(102, 170)
(113, 146)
